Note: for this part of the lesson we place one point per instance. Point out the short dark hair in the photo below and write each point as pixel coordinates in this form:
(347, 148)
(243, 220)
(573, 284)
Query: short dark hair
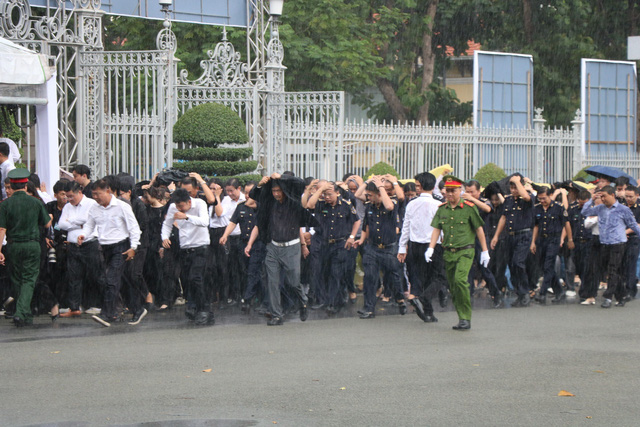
(189, 180)
(473, 183)
(584, 195)
(622, 180)
(288, 173)
(5, 150)
(427, 180)
(409, 186)
(545, 190)
(233, 182)
(609, 190)
(180, 195)
(73, 187)
(632, 188)
(371, 186)
(102, 184)
(82, 170)
(60, 186)
(126, 183)
(250, 184)
(18, 185)
(347, 175)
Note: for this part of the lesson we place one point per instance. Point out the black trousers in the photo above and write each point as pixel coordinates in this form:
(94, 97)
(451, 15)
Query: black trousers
(548, 249)
(135, 288)
(114, 263)
(594, 270)
(334, 262)
(374, 261)
(217, 275)
(256, 275)
(85, 268)
(613, 257)
(193, 263)
(630, 264)
(498, 264)
(517, 248)
(426, 278)
(581, 259)
(317, 279)
(485, 273)
(237, 267)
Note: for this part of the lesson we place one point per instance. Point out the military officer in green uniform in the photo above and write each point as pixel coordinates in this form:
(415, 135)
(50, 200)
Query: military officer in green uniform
(21, 215)
(460, 224)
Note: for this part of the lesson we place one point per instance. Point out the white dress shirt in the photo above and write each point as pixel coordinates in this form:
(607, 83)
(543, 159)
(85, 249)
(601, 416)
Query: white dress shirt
(14, 154)
(194, 231)
(73, 218)
(113, 223)
(6, 167)
(417, 221)
(228, 208)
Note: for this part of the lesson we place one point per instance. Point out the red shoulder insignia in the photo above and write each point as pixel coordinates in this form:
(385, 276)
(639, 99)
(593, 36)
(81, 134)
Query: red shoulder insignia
(468, 203)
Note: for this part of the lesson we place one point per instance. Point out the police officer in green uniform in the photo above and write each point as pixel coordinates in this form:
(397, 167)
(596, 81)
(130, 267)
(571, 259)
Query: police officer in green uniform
(20, 218)
(460, 224)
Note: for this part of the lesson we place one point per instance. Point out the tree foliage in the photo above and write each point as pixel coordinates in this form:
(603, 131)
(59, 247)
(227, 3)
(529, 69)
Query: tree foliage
(489, 173)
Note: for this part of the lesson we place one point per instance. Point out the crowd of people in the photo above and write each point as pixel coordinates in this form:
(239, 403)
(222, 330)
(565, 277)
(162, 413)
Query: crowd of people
(116, 249)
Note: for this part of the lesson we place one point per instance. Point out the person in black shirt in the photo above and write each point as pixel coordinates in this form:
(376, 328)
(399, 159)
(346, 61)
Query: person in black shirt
(633, 243)
(57, 251)
(379, 230)
(582, 239)
(338, 225)
(82, 175)
(280, 218)
(517, 220)
(551, 222)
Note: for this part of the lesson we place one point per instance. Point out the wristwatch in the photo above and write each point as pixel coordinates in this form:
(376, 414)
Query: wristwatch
(351, 236)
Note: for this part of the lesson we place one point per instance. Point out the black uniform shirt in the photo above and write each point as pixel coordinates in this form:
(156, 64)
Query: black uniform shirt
(52, 209)
(285, 222)
(245, 217)
(551, 221)
(635, 209)
(518, 212)
(336, 221)
(382, 223)
(578, 230)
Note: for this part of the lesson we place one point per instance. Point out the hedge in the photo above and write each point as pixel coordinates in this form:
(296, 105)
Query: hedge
(223, 154)
(381, 168)
(242, 179)
(209, 125)
(213, 167)
(489, 173)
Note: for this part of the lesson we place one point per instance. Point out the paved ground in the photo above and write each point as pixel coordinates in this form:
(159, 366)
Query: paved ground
(392, 370)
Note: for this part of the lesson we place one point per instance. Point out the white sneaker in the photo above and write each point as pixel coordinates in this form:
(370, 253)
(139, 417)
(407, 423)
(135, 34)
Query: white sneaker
(550, 291)
(571, 293)
(136, 321)
(93, 310)
(2, 312)
(180, 301)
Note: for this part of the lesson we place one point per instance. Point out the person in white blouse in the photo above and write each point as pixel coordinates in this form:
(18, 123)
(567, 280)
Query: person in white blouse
(6, 165)
(118, 233)
(192, 220)
(425, 278)
(236, 269)
(81, 260)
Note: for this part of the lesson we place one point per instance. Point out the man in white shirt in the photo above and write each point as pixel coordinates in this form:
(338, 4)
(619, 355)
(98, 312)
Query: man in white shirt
(13, 147)
(236, 267)
(192, 220)
(81, 260)
(425, 278)
(6, 165)
(119, 236)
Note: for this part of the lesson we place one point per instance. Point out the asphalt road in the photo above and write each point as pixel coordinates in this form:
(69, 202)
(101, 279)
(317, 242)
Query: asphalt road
(391, 370)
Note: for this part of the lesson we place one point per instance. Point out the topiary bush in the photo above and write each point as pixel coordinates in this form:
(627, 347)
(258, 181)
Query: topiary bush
(207, 126)
(381, 168)
(489, 173)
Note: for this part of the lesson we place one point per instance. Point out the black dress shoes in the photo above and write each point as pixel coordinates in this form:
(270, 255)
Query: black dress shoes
(443, 299)
(367, 315)
(540, 299)
(430, 319)
(562, 296)
(525, 300)
(275, 321)
(606, 303)
(304, 313)
(204, 318)
(462, 325)
(402, 307)
(190, 313)
(498, 301)
(19, 322)
(419, 309)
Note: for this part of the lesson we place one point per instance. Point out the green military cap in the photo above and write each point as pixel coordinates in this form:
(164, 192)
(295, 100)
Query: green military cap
(19, 175)
(451, 181)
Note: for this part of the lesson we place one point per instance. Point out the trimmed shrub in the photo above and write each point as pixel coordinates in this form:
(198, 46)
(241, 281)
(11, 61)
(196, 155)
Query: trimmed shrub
(382, 168)
(222, 154)
(214, 167)
(489, 173)
(242, 179)
(209, 125)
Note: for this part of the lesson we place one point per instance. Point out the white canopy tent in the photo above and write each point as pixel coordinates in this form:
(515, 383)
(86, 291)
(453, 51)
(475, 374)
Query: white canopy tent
(26, 78)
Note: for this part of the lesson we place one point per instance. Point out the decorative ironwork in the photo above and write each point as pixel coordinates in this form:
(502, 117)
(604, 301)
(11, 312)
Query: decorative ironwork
(223, 69)
(15, 19)
(166, 39)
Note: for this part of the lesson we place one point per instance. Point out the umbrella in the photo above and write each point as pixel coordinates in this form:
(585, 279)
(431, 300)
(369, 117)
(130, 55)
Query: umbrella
(609, 172)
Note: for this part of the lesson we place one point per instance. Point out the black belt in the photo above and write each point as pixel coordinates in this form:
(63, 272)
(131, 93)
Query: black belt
(584, 240)
(454, 250)
(22, 241)
(332, 241)
(113, 245)
(547, 235)
(524, 230)
(193, 250)
(383, 246)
